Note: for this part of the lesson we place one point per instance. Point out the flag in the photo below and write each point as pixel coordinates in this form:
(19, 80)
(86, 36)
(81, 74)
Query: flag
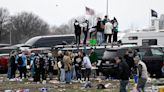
(154, 13)
(89, 11)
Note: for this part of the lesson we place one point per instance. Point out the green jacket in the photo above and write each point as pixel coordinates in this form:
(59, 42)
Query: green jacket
(93, 57)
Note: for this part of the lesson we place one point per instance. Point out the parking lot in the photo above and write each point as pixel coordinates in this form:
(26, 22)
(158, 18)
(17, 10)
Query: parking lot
(112, 85)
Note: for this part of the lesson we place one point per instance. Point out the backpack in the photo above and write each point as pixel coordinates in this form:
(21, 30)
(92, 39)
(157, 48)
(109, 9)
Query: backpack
(20, 60)
(37, 62)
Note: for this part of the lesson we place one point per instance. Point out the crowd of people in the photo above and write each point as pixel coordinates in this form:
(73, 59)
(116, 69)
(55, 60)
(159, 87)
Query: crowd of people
(67, 65)
(74, 66)
(34, 64)
(103, 32)
(78, 66)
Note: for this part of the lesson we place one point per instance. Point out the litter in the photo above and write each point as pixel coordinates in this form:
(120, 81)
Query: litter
(54, 81)
(101, 86)
(107, 85)
(87, 85)
(43, 89)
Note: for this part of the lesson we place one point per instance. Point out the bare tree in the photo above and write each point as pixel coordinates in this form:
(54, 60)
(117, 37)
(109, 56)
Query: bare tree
(26, 25)
(4, 19)
(63, 29)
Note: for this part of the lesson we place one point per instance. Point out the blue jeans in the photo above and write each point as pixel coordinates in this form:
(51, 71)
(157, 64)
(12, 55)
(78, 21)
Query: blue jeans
(32, 70)
(123, 84)
(85, 36)
(73, 73)
(68, 76)
(62, 75)
(99, 38)
(9, 73)
(141, 84)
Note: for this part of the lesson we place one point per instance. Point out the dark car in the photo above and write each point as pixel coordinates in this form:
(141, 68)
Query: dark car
(51, 40)
(152, 56)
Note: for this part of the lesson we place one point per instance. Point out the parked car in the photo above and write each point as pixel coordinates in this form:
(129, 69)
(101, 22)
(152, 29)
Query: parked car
(4, 62)
(152, 56)
(4, 55)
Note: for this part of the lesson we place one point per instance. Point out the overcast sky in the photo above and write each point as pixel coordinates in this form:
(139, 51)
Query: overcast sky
(130, 13)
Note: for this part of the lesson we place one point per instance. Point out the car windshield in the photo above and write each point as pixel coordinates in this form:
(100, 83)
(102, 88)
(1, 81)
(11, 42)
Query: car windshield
(110, 54)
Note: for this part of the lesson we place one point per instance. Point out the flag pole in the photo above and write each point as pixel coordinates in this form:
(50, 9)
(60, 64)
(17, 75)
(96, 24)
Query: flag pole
(150, 22)
(106, 7)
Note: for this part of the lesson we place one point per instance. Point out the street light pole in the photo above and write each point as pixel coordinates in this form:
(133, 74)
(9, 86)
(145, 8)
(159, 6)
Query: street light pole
(10, 37)
(11, 31)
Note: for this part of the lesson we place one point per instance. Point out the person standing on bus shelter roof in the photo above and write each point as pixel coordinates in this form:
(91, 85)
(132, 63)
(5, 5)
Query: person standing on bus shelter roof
(85, 29)
(77, 31)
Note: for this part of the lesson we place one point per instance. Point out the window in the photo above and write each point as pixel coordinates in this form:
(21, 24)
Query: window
(5, 51)
(133, 37)
(99, 52)
(147, 42)
(156, 52)
(143, 52)
(52, 41)
(110, 54)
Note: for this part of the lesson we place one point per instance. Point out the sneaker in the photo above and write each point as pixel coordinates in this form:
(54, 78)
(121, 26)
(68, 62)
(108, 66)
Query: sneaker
(12, 80)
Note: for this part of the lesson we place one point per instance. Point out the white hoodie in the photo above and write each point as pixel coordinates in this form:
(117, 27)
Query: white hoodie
(108, 28)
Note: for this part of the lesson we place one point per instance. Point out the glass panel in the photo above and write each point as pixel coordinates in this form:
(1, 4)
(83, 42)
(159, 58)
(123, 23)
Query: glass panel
(110, 54)
(5, 51)
(133, 37)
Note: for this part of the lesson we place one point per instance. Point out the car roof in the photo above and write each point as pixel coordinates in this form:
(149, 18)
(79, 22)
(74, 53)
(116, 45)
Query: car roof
(34, 39)
(157, 46)
(4, 54)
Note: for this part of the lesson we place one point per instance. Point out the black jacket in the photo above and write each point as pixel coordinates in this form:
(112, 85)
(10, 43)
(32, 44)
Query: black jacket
(78, 64)
(60, 58)
(129, 60)
(124, 71)
(77, 29)
(99, 26)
